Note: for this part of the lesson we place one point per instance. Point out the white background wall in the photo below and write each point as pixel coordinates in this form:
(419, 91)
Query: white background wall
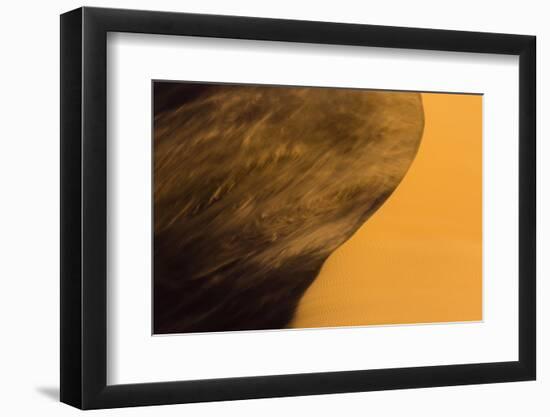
(29, 176)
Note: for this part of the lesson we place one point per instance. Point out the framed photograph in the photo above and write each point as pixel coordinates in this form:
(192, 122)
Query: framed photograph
(257, 208)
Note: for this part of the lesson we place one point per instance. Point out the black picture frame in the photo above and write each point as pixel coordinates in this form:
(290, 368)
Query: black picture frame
(84, 197)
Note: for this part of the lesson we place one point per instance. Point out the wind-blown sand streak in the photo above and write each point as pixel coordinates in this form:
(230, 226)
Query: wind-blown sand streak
(255, 186)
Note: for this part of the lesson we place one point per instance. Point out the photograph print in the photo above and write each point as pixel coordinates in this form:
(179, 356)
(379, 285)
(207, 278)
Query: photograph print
(290, 207)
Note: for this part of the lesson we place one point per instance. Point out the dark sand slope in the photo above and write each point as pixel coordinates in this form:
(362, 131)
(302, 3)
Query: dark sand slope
(254, 187)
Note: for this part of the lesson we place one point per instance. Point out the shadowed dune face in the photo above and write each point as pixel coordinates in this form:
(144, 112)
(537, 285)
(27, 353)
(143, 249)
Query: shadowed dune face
(255, 186)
